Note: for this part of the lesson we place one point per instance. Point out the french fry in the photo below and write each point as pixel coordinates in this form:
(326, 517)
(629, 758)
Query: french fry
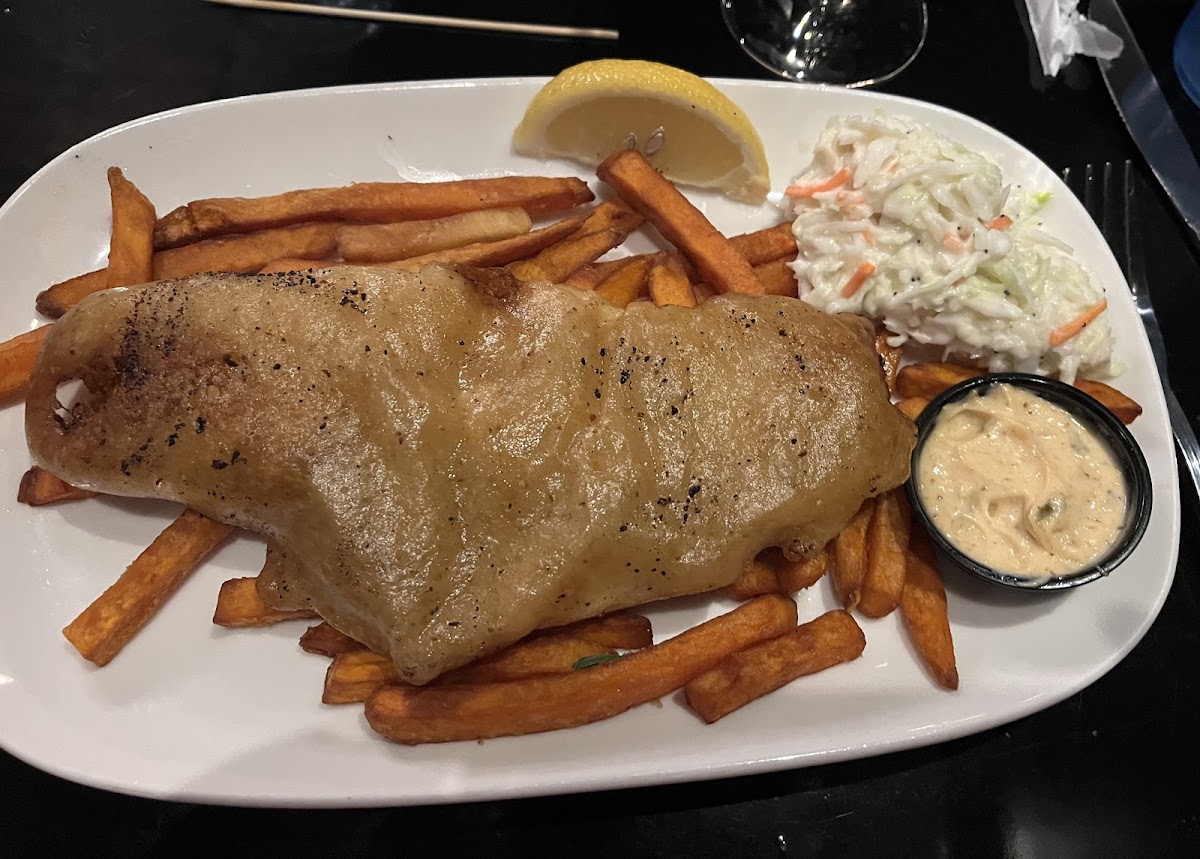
(39, 487)
(831, 639)
(927, 380)
(368, 243)
(625, 284)
(353, 675)
(367, 203)
(239, 607)
(1126, 409)
(445, 713)
(248, 253)
(503, 252)
(930, 379)
(797, 576)
(561, 260)
(912, 407)
(669, 283)
(131, 246)
(887, 550)
(850, 556)
(17, 357)
(640, 185)
(621, 630)
(545, 654)
(923, 607)
(324, 640)
(889, 359)
(756, 579)
(109, 623)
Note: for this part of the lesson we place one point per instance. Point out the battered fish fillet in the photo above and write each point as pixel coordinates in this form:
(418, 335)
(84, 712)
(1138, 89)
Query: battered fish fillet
(446, 463)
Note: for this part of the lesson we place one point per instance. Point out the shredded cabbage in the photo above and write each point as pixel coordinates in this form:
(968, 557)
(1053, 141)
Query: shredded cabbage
(923, 211)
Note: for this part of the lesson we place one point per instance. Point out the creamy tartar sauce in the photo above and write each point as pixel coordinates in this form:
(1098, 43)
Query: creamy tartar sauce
(1019, 484)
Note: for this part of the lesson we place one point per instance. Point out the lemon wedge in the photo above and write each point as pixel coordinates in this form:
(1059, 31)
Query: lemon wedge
(687, 128)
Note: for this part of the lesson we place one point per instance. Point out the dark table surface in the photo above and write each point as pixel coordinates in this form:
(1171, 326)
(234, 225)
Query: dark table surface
(1111, 771)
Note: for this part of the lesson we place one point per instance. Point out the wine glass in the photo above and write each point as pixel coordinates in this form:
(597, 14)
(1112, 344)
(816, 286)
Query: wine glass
(846, 42)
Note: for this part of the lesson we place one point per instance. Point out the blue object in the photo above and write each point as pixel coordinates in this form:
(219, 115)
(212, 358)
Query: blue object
(1187, 55)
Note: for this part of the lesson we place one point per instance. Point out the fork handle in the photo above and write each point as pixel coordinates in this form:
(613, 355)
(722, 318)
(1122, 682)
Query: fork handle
(1185, 437)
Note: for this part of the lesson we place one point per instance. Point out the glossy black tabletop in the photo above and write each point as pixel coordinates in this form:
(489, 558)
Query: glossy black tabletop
(1110, 772)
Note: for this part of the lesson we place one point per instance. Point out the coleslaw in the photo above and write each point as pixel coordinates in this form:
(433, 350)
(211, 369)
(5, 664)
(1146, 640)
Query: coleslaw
(898, 223)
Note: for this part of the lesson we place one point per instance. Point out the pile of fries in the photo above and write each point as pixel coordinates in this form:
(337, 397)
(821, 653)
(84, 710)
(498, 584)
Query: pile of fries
(589, 670)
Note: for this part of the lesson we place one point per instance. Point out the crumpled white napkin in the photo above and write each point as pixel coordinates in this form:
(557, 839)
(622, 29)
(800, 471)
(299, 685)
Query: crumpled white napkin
(1060, 32)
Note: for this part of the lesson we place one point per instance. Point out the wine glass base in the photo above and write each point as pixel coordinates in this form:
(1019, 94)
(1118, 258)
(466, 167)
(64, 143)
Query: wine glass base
(851, 43)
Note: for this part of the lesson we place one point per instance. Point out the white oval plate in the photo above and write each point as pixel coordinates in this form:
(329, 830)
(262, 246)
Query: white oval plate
(189, 711)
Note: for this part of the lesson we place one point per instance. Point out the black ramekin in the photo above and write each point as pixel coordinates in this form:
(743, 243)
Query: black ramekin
(1108, 428)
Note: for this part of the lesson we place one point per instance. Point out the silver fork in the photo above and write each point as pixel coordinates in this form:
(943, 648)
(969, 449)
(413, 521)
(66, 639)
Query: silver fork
(1113, 206)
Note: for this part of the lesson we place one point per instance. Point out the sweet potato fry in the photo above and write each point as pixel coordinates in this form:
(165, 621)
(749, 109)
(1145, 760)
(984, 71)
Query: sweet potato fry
(612, 215)
(640, 185)
(759, 248)
(587, 277)
(545, 654)
(239, 606)
(777, 278)
(757, 579)
(355, 674)
(669, 282)
(795, 576)
(930, 379)
(56, 300)
(446, 713)
(248, 253)
(324, 640)
(131, 246)
(499, 253)
(561, 260)
(287, 264)
(367, 203)
(108, 624)
(850, 556)
(764, 246)
(923, 607)
(622, 630)
(889, 358)
(831, 639)
(39, 487)
(1126, 409)
(912, 407)
(887, 550)
(17, 357)
(625, 284)
(386, 242)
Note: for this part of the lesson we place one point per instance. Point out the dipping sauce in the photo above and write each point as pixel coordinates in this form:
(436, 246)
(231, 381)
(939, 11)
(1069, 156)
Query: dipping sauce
(1020, 484)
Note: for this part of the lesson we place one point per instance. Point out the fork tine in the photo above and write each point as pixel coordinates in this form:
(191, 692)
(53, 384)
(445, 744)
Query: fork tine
(1116, 216)
(1092, 197)
(1135, 265)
